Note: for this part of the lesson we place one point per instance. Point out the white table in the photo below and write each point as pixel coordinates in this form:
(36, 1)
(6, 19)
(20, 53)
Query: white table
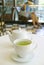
(6, 50)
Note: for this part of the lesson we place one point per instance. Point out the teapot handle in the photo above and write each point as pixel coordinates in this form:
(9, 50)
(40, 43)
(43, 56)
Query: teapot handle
(10, 36)
(9, 33)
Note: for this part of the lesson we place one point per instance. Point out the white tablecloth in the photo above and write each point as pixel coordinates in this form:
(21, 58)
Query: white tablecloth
(6, 50)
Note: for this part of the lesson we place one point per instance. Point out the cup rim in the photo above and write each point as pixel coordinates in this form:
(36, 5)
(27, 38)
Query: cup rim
(17, 40)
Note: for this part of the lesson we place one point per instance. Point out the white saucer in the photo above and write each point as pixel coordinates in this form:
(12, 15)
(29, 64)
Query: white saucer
(15, 57)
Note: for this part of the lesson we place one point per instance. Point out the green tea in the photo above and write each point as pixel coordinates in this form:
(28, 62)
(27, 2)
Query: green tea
(23, 43)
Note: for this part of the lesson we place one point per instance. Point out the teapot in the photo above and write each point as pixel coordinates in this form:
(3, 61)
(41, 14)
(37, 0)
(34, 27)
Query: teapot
(17, 34)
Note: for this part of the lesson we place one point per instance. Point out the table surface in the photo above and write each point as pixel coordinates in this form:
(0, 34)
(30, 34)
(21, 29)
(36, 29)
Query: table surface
(6, 50)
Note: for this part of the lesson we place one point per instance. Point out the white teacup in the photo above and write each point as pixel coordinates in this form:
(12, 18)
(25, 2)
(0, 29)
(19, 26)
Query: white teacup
(23, 50)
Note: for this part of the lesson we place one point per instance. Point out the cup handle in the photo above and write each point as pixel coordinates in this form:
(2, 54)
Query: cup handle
(35, 46)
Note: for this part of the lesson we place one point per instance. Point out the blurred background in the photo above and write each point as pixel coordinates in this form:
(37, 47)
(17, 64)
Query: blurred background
(9, 13)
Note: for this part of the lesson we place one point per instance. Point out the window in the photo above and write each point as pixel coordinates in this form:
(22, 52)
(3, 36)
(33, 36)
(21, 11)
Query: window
(41, 2)
(8, 3)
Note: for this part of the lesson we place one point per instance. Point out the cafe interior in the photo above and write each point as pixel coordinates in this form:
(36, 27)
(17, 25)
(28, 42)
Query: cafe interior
(21, 20)
(12, 15)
